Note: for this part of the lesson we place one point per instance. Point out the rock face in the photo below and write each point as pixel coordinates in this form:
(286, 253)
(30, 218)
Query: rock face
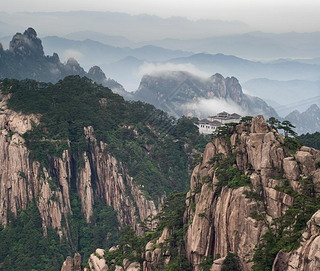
(307, 256)
(229, 218)
(222, 220)
(23, 180)
(72, 264)
(112, 184)
(26, 44)
(97, 262)
(155, 258)
(181, 93)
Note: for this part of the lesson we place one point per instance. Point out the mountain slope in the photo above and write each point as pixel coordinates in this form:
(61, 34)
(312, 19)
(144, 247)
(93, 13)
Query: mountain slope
(253, 204)
(181, 93)
(26, 59)
(306, 122)
(245, 69)
(87, 161)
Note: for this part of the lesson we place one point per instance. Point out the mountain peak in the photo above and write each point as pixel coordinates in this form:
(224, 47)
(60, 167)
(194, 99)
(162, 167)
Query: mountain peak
(313, 108)
(26, 44)
(96, 74)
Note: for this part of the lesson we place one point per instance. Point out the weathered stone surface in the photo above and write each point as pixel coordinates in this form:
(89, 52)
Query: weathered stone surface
(155, 257)
(97, 262)
(23, 180)
(291, 168)
(307, 256)
(72, 264)
(224, 222)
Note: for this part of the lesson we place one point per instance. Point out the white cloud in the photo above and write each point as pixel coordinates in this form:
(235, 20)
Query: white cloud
(207, 107)
(152, 68)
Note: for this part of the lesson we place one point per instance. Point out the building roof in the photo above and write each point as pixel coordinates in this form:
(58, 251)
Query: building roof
(213, 123)
(235, 116)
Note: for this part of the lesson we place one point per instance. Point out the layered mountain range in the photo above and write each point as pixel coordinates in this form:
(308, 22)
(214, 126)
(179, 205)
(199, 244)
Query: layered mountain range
(179, 93)
(78, 163)
(25, 58)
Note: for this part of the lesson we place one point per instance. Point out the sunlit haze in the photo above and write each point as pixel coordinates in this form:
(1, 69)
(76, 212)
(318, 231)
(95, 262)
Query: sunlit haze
(274, 16)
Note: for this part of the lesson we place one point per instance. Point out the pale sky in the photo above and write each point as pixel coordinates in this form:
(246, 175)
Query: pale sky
(265, 15)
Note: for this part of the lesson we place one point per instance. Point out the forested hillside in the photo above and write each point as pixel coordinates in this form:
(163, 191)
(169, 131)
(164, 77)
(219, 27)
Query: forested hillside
(148, 151)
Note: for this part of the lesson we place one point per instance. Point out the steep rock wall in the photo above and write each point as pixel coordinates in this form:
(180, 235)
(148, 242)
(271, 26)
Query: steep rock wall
(223, 221)
(23, 180)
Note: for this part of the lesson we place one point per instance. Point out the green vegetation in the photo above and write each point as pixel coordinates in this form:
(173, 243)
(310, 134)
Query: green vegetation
(23, 246)
(231, 263)
(156, 150)
(227, 172)
(102, 232)
(285, 232)
(206, 263)
(132, 247)
(310, 140)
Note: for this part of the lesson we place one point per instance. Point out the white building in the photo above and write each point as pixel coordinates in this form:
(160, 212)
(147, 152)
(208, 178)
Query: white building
(207, 127)
(210, 125)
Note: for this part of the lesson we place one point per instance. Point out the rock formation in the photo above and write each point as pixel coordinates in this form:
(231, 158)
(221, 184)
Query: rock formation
(72, 264)
(23, 180)
(223, 221)
(245, 183)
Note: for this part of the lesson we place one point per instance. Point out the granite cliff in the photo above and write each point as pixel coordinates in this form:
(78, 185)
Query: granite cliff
(24, 180)
(253, 205)
(78, 163)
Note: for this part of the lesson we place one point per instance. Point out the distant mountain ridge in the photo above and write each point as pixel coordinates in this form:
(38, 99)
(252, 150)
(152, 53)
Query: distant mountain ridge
(182, 93)
(306, 122)
(25, 58)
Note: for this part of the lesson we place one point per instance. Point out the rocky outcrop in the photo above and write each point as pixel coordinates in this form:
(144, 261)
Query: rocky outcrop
(26, 44)
(155, 256)
(97, 262)
(72, 264)
(223, 220)
(113, 184)
(225, 217)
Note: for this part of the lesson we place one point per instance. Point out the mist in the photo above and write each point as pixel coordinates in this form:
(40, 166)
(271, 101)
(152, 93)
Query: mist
(203, 108)
(163, 68)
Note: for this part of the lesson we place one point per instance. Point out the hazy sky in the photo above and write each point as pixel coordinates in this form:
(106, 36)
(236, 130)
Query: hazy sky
(267, 15)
